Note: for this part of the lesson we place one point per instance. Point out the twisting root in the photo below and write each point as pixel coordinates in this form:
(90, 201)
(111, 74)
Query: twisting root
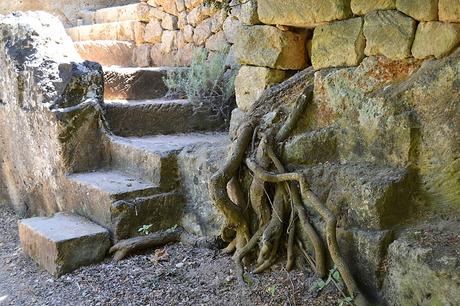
(290, 245)
(219, 181)
(316, 241)
(272, 234)
(326, 214)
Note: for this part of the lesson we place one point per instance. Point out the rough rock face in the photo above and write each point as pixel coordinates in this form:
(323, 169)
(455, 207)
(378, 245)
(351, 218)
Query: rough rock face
(362, 7)
(48, 104)
(302, 13)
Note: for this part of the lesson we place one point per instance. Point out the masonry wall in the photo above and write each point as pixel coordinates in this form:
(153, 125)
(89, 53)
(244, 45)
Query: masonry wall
(293, 34)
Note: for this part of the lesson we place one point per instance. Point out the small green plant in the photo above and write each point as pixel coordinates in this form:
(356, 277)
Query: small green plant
(207, 83)
(335, 278)
(224, 4)
(248, 280)
(271, 290)
(145, 229)
(348, 300)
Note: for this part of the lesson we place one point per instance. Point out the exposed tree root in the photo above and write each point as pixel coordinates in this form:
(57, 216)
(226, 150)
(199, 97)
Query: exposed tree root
(130, 246)
(278, 199)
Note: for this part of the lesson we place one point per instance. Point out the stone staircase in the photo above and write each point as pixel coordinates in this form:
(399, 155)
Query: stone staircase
(110, 35)
(139, 180)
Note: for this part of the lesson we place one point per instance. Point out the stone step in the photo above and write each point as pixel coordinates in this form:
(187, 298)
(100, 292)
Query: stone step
(154, 158)
(64, 242)
(120, 30)
(135, 83)
(150, 117)
(136, 11)
(123, 203)
(107, 52)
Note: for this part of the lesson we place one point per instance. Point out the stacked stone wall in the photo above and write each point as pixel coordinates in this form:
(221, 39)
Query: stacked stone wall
(292, 34)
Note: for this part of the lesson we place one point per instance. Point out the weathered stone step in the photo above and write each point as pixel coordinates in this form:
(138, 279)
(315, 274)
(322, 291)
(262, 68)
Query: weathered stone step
(154, 158)
(107, 52)
(136, 11)
(150, 117)
(123, 203)
(120, 30)
(135, 83)
(64, 242)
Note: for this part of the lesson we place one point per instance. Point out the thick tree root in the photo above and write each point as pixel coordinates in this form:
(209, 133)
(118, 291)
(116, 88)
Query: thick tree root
(326, 214)
(134, 245)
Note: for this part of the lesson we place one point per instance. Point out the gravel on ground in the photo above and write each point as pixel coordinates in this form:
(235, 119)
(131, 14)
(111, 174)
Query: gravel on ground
(172, 275)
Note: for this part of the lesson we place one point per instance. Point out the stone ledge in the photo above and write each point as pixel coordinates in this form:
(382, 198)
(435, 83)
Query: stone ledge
(64, 242)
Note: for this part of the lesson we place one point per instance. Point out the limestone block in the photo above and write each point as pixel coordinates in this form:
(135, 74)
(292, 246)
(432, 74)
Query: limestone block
(252, 81)
(362, 7)
(188, 33)
(217, 42)
(248, 13)
(169, 6)
(182, 20)
(436, 39)
(106, 15)
(153, 32)
(64, 242)
(168, 41)
(302, 13)
(169, 22)
(218, 21)
(131, 31)
(449, 10)
(202, 32)
(138, 11)
(156, 13)
(231, 27)
(180, 40)
(180, 5)
(424, 10)
(389, 33)
(191, 4)
(184, 55)
(338, 44)
(84, 32)
(141, 56)
(74, 33)
(196, 16)
(268, 46)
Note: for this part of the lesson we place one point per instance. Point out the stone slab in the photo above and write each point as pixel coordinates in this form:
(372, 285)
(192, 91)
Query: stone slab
(150, 117)
(64, 242)
(422, 10)
(362, 7)
(389, 33)
(302, 13)
(134, 83)
(449, 10)
(278, 49)
(338, 44)
(435, 39)
(107, 52)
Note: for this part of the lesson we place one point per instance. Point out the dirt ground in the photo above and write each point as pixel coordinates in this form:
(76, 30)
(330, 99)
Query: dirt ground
(173, 275)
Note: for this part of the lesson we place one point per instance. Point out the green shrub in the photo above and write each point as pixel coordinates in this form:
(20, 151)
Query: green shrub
(208, 84)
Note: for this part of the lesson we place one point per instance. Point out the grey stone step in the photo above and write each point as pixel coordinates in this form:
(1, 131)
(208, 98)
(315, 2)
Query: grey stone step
(122, 203)
(121, 30)
(107, 52)
(154, 158)
(150, 117)
(64, 242)
(135, 83)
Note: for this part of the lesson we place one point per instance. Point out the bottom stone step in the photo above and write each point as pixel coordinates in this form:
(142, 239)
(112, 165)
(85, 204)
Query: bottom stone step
(64, 242)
